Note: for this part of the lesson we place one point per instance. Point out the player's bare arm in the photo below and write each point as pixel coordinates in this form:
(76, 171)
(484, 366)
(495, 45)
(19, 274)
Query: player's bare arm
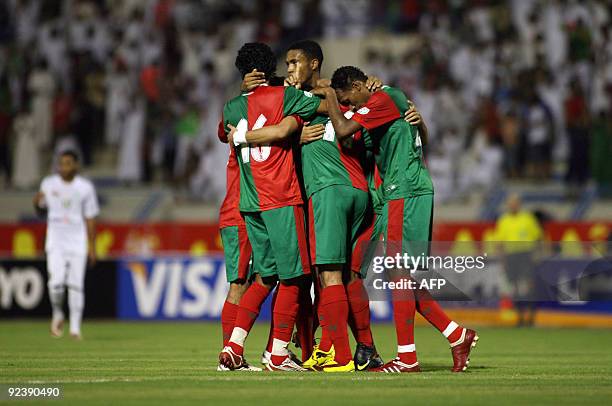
(413, 116)
(343, 127)
(274, 133)
(91, 236)
(323, 83)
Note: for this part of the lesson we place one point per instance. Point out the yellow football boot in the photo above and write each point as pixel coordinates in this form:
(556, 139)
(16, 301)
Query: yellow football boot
(350, 367)
(320, 358)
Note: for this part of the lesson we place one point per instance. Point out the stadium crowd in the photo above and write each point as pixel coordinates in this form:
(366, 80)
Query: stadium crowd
(513, 89)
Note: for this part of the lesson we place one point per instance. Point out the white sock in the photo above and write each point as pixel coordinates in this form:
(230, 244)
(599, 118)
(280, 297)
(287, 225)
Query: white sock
(406, 348)
(56, 297)
(450, 329)
(279, 348)
(239, 336)
(76, 302)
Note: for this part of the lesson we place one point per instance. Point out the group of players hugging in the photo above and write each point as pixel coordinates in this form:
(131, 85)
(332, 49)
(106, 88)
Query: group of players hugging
(317, 170)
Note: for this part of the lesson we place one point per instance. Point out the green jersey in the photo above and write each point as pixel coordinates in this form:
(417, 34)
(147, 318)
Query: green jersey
(328, 162)
(396, 145)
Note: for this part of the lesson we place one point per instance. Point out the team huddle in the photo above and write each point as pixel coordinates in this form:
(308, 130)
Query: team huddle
(317, 170)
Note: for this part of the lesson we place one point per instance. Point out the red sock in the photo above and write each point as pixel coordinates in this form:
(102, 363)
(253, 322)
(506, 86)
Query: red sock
(248, 311)
(403, 315)
(228, 319)
(336, 311)
(359, 306)
(285, 311)
(352, 325)
(433, 313)
(305, 333)
(271, 332)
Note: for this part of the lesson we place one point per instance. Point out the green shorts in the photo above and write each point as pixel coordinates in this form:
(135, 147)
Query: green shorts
(278, 237)
(366, 243)
(335, 217)
(407, 225)
(237, 250)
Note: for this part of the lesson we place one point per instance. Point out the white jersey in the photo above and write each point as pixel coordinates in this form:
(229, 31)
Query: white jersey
(68, 205)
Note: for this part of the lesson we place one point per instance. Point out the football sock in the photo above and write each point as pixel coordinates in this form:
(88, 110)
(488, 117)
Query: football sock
(248, 310)
(315, 306)
(305, 334)
(433, 313)
(56, 297)
(359, 306)
(337, 307)
(271, 332)
(325, 343)
(285, 312)
(228, 319)
(76, 302)
(403, 315)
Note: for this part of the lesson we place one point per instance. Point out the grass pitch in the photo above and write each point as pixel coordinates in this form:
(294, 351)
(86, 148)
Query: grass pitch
(162, 363)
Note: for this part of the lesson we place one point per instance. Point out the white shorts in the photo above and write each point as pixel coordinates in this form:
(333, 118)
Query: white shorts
(66, 269)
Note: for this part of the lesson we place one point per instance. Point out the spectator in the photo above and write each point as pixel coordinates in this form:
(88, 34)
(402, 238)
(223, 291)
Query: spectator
(577, 121)
(537, 127)
(26, 165)
(41, 85)
(118, 93)
(131, 143)
(601, 151)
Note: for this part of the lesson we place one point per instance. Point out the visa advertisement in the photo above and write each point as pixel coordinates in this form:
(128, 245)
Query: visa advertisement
(184, 288)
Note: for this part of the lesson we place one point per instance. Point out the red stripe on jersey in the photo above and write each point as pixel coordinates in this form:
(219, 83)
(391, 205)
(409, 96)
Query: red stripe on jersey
(272, 167)
(229, 213)
(351, 162)
(300, 229)
(311, 232)
(377, 179)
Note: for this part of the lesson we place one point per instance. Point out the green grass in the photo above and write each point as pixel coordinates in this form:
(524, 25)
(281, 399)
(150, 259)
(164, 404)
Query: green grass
(130, 363)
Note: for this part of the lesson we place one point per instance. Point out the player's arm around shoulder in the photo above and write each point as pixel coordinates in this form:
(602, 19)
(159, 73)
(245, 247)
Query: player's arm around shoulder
(413, 117)
(343, 127)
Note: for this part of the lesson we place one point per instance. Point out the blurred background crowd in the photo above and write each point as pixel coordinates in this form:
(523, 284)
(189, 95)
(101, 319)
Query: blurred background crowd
(509, 89)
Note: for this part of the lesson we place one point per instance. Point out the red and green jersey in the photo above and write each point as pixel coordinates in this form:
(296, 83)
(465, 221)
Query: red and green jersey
(396, 144)
(229, 213)
(374, 181)
(268, 178)
(328, 162)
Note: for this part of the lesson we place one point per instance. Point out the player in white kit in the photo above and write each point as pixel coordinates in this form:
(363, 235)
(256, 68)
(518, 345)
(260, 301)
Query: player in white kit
(71, 205)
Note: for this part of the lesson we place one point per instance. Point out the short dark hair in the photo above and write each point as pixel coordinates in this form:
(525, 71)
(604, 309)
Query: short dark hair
(71, 153)
(256, 55)
(344, 77)
(310, 48)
